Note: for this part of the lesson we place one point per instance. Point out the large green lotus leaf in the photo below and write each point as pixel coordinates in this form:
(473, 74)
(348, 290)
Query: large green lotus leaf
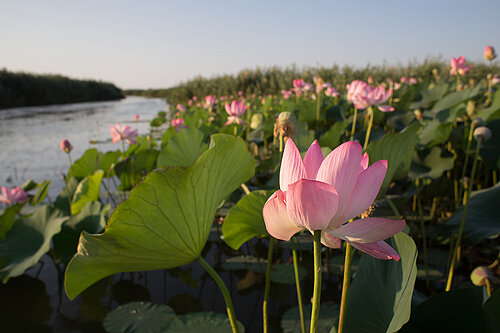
(492, 111)
(454, 98)
(328, 317)
(91, 161)
(28, 240)
(434, 133)
(182, 149)
(431, 166)
(482, 219)
(196, 322)
(41, 193)
(382, 290)
(459, 310)
(131, 170)
(7, 219)
(63, 200)
(138, 317)
(87, 191)
(244, 220)
(430, 96)
(303, 136)
(331, 138)
(492, 306)
(490, 150)
(395, 148)
(92, 219)
(166, 220)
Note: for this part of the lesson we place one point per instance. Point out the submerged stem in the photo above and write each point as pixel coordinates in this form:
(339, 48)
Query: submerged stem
(268, 284)
(455, 259)
(317, 282)
(345, 287)
(297, 284)
(225, 292)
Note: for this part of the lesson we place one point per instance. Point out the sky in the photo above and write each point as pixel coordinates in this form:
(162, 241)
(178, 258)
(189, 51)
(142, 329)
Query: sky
(159, 44)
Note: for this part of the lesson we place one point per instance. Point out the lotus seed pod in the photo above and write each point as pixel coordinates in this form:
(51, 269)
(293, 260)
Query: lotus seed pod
(471, 108)
(482, 134)
(286, 124)
(480, 274)
(257, 120)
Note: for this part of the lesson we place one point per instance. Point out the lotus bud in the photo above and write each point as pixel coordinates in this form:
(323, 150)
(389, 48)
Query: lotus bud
(471, 108)
(285, 125)
(418, 114)
(370, 80)
(66, 146)
(480, 274)
(482, 134)
(489, 53)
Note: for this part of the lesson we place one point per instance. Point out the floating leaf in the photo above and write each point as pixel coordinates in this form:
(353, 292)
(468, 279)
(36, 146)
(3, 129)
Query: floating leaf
(482, 219)
(431, 166)
(285, 274)
(27, 241)
(138, 317)
(87, 191)
(166, 220)
(91, 219)
(328, 317)
(244, 220)
(182, 149)
(459, 310)
(395, 148)
(201, 322)
(382, 290)
(254, 264)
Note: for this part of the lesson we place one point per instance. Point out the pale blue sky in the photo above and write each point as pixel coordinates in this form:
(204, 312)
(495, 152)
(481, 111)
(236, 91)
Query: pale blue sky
(142, 44)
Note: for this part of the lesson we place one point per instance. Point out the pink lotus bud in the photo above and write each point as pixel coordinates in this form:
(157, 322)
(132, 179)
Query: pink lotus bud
(480, 274)
(190, 102)
(412, 81)
(495, 80)
(370, 80)
(65, 146)
(178, 124)
(458, 66)
(195, 98)
(489, 53)
(403, 79)
(136, 117)
(181, 107)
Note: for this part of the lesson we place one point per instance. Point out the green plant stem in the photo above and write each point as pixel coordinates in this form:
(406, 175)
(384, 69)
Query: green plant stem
(123, 148)
(424, 238)
(345, 286)
(454, 259)
(268, 284)
(393, 207)
(353, 128)
(458, 82)
(490, 88)
(369, 129)
(235, 130)
(69, 159)
(317, 283)
(225, 293)
(464, 169)
(297, 284)
(318, 110)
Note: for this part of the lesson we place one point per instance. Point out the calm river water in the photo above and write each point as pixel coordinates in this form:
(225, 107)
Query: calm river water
(30, 136)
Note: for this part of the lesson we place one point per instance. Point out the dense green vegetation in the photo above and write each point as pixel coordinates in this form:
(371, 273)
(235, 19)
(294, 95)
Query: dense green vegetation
(23, 89)
(262, 81)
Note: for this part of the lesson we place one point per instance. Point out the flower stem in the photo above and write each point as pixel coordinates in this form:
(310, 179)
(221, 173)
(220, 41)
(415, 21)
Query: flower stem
(369, 129)
(225, 293)
(353, 128)
(345, 287)
(70, 161)
(235, 130)
(317, 282)
(454, 259)
(268, 284)
(297, 284)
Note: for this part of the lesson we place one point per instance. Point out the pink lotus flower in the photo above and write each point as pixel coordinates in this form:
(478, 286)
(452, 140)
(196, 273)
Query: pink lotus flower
(181, 107)
(412, 81)
(299, 83)
(136, 117)
(354, 88)
(324, 194)
(308, 87)
(404, 79)
(458, 66)
(123, 133)
(235, 111)
(195, 98)
(209, 102)
(286, 94)
(190, 102)
(13, 196)
(331, 92)
(495, 80)
(367, 96)
(65, 146)
(178, 124)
